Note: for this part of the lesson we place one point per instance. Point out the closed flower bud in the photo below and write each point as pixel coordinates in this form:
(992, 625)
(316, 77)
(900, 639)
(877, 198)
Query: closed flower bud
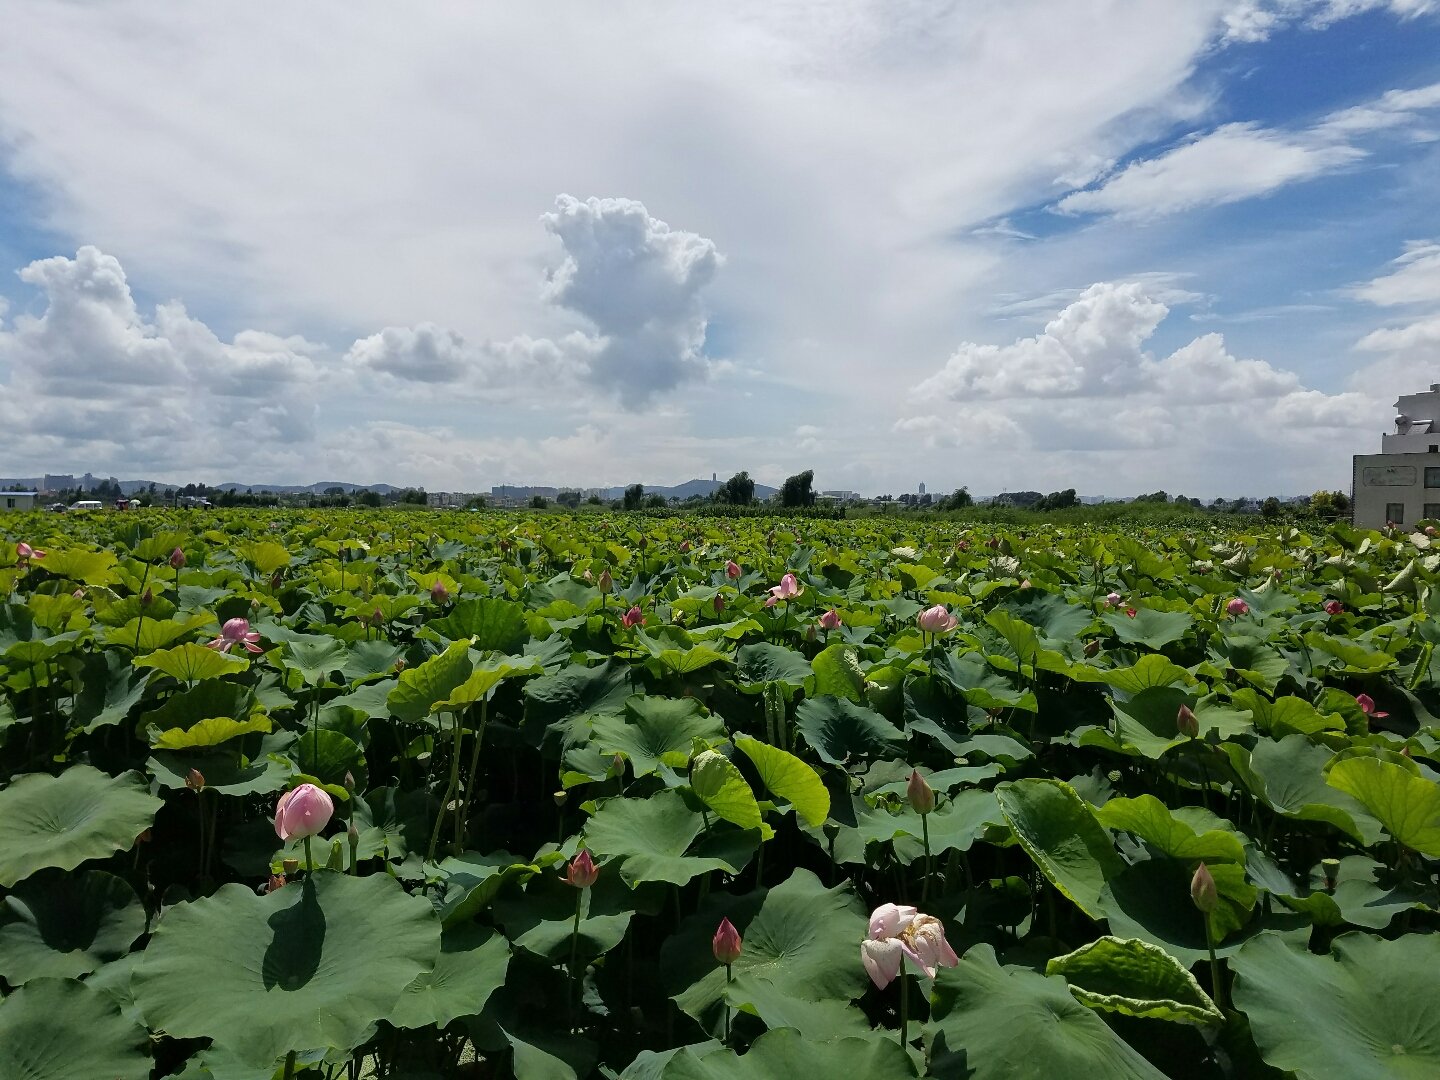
(830, 620)
(1186, 724)
(1092, 648)
(1203, 891)
(177, 559)
(147, 598)
(632, 618)
(718, 604)
(726, 943)
(438, 592)
(732, 569)
(302, 811)
(1333, 607)
(582, 871)
(349, 781)
(920, 794)
(605, 581)
(195, 780)
(1237, 607)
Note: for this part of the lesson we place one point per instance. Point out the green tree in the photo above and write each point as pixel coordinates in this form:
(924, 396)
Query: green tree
(368, 498)
(739, 490)
(569, 499)
(797, 490)
(958, 499)
(539, 502)
(656, 501)
(1270, 507)
(634, 496)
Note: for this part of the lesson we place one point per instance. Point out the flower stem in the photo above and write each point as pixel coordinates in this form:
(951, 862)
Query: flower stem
(309, 862)
(474, 766)
(904, 1009)
(574, 953)
(289, 1065)
(1216, 988)
(925, 833)
(728, 977)
(450, 787)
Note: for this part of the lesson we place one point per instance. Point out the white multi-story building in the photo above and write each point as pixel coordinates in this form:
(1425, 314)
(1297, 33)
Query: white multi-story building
(1401, 484)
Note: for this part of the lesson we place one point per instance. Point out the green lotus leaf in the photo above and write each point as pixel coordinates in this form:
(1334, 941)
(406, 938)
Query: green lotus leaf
(785, 1054)
(59, 1029)
(495, 625)
(1149, 671)
(313, 657)
(312, 965)
(472, 965)
(94, 568)
(224, 772)
(473, 880)
(655, 731)
(1136, 978)
(1008, 1023)
(66, 925)
(718, 784)
(266, 556)
(764, 662)
(420, 687)
(542, 919)
(650, 837)
(150, 634)
(1407, 805)
(1366, 1010)
(1150, 819)
(566, 702)
(840, 731)
(786, 776)
(190, 662)
(1151, 628)
(211, 731)
(485, 677)
(110, 688)
(1059, 832)
(837, 673)
(1292, 781)
(980, 684)
(62, 821)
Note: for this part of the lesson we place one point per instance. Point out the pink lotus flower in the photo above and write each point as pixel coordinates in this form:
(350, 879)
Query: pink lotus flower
(937, 620)
(582, 871)
(771, 601)
(788, 589)
(1112, 599)
(718, 603)
(830, 620)
(1237, 607)
(177, 559)
(633, 617)
(438, 592)
(726, 943)
(1203, 892)
(1130, 611)
(302, 812)
(1333, 607)
(236, 632)
(898, 932)
(1367, 706)
(732, 569)
(24, 553)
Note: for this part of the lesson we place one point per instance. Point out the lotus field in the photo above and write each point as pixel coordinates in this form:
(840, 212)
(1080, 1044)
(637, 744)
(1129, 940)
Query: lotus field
(340, 795)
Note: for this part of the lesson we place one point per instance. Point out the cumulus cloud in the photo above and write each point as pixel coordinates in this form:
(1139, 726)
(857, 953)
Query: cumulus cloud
(1416, 279)
(1406, 355)
(634, 280)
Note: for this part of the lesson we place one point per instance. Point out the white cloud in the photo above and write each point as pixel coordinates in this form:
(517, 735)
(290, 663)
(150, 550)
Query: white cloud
(1415, 281)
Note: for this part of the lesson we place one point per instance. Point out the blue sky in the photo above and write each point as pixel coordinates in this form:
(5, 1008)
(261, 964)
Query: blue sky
(1114, 246)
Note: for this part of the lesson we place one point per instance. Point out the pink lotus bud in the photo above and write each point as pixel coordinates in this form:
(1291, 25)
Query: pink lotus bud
(177, 559)
(726, 943)
(684, 546)
(582, 871)
(1112, 599)
(605, 581)
(438, 592)
(377, 617)
(1092, 648)
(147, 598)
(195, 780)
(24, 553)
(1237, 607)
(937, 620)
(1131, 612)
(732, 569)
(920, 794)
(1333, 607)
(78, 594)
(1203, 891)
(276, 580)
(830, 620)
(617, 764)
(962, 545)
(1186, 724)
(718, 603)
(811, 633)
(301, 812)
(633, 617)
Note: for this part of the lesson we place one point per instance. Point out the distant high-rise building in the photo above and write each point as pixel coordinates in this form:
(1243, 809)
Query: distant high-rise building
(922, 487)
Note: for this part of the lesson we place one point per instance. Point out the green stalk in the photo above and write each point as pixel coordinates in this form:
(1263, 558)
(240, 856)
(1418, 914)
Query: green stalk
(575, 954)
(309, 862)
(904, 1008)
(289, 1065)
(925, 834)
(474, 766)
(449, 794)
(727, 1006)
(1216, 989)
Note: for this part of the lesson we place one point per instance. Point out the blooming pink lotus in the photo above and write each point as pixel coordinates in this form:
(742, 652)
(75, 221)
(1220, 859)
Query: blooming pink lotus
(898, 932)
(24, 553)
(1237, 607)
(788, 589)
(582, 871)
(1367, 706)
(830, 620)
(732, 569)
(302, 811)
(633, 617)
(726, 943)
(771, 601)
(1333, 607)
(1112, 599)
(236, 632)
(937, 620)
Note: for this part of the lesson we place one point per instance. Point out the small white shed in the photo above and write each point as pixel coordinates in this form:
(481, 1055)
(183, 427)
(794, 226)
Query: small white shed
(18, 500)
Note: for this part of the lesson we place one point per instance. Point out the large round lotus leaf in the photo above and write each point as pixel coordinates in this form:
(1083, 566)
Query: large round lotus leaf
(224, 771)
(1370, 1010)
(311, 965)
(655, 731)
(803, 939)
(542, 919)
(651, 836)
(65, 925)
(64, 820)
(472, 965)
(1012, 1024)
(190, 662)
(1058, 830)
(787, 776)
(786, 1054)
(58, 1029)
(1136, 978)
(838, 730)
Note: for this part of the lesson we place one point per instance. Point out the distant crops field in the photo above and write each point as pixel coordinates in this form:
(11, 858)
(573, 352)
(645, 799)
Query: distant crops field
(410, 794)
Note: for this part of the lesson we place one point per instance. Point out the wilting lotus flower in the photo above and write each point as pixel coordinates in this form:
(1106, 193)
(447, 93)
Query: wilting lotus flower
(277, 881)
(633, 617)
(1429, 530)
(732, 569)
(897, 932)
(1333, 607)
(438, 592)
(937, 620)
(582, 871)
(236, 632)
(1112, 599)
(177, 559)
(1237, 607)
(1367, 706)
(24, 553)
(726, 943)
(302, 812)
(788, 589)
(1203, 891)
(920, 794)
(830, 620)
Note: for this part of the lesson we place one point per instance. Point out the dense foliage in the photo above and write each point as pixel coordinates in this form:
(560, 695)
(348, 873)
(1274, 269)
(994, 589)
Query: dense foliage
(409, 794)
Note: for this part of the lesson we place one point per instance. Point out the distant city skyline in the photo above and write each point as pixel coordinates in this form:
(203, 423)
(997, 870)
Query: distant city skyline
(1048, 244)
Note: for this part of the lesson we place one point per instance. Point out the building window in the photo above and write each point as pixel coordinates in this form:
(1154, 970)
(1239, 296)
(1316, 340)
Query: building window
(9, 504)
(1432, 511)
(1432, 477)
(1395, 513)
